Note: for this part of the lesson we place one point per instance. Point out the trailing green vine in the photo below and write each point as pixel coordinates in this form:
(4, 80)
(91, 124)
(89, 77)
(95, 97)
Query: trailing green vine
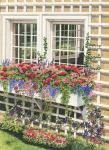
(88, 57)
(42, 56)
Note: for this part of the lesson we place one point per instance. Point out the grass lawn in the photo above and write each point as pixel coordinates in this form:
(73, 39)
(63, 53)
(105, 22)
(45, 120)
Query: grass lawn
(8, 142)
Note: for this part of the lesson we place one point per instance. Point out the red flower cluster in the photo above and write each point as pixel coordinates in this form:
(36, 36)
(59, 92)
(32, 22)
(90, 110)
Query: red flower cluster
(46, 137)
(43, 75)
(31, 133)
(57, 82)
(95, 140)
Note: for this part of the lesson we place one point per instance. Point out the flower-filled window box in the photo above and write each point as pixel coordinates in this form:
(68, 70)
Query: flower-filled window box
(60, 83)
(74, 100)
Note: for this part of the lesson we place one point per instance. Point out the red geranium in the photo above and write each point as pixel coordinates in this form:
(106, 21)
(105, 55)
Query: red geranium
(4, 68)
(53, 76)
(57, 82)
(62, 73)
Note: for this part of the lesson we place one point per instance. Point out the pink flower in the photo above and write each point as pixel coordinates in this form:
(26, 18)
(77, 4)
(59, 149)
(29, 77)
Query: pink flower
(82, 69)
(74, 75)
(98, 86)
(66, 80)
(62, 73)
(92, 94)
(57, 82)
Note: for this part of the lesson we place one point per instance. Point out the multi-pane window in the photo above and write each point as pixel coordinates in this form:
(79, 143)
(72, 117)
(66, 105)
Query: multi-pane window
(68, 43)
(24, 42)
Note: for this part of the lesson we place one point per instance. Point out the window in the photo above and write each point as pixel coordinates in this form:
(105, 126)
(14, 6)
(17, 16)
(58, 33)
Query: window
(24, 42)
(68, 43)
(23, 37)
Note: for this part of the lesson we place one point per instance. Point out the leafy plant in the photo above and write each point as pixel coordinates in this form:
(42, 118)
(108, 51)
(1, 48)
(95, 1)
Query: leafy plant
(88, 57)
(50, 139)
(80, 144)
(94, 126)
(12, 124)
(42, 56)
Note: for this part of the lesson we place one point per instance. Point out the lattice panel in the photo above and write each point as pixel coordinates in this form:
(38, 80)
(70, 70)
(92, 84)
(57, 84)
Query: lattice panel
(98, 14)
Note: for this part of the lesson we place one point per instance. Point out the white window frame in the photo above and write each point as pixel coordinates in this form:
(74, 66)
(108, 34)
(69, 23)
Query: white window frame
(15, 46)
(77, 40)
(47, 27)
(7, 32)
(44, 27)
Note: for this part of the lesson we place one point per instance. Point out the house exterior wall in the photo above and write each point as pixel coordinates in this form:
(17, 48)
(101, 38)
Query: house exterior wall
(97, 12)
(0, 36)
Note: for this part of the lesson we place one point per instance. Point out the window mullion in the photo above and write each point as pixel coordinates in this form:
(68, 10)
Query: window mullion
(18, 41)
(25, 40)
(31, 28)
(68, 46)
(60, 38)
(76, 53)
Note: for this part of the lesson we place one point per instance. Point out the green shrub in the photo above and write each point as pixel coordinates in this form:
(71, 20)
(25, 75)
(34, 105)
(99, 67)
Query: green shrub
(11, 124)
(79, 144)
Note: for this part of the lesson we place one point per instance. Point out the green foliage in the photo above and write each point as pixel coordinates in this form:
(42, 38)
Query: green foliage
(79, 144)
(42, 56)
(88, 57)
(74, 144)
(65, 90)
(11, 124)
(9, 142)
(5, 85)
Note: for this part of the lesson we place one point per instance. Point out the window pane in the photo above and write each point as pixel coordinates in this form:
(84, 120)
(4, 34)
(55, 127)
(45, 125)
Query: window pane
(28, 41)
(16, 28)
(68, 39)
(25, 40)
(63, 57)
(34, 29)
(27, 53)
(21, 38)
(81, 44)
(64, 30)
(71, 58)
(21, 53)
(57, 30)
(34, 41)
(56, 56)
(28, 32)
(33, 53)
(22, 28)
(72, 44)
(72, 30)
(64, 43)
(16, 52)
(15, 40)
(55, 43)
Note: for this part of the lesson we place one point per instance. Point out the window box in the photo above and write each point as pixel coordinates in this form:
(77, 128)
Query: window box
(74, 100)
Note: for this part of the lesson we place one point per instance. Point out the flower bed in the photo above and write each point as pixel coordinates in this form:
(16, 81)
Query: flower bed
(48, 80)
(47, 138)
(51, 139)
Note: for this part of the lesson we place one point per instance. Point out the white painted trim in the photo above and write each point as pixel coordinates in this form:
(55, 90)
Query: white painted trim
(48, 13)
(53, 3)
(102, 82)
(7, 21)
(101, 93)
(48, 19)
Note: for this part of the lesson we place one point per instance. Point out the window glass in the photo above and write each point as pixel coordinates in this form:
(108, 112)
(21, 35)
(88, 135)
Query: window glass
(68, 43)
(24, 42)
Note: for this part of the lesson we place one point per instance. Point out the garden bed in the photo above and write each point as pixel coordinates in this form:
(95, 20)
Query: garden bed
(9, 142)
